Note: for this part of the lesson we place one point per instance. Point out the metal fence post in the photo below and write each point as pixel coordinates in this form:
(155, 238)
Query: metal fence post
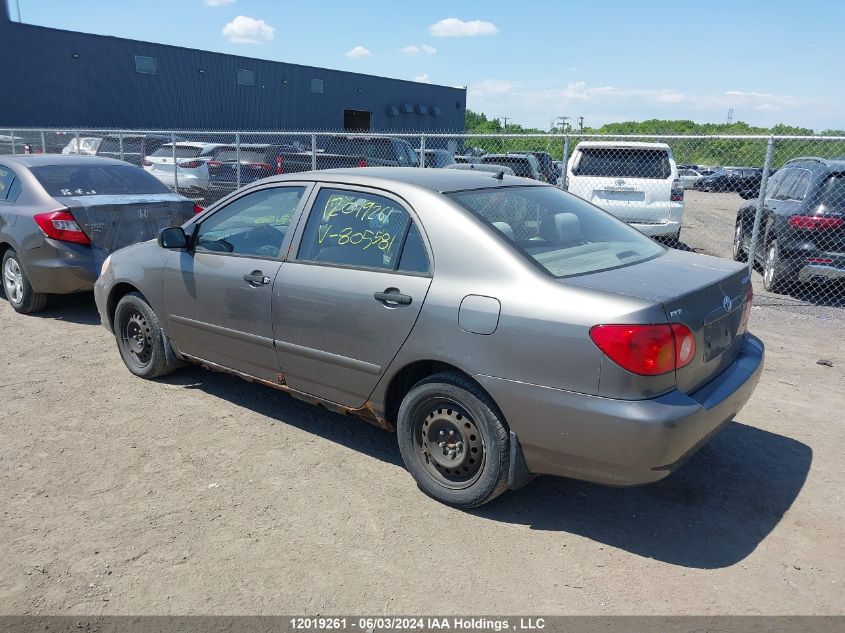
(313, 152)
(76, 136)
(564, 161)
(43, 143)
(12, 135)
(238, 157)
(175, 168)
(120, 141)
(422, 150)
(758, 214)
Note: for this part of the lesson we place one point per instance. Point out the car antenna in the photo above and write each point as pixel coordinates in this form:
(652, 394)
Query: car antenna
(499, 175)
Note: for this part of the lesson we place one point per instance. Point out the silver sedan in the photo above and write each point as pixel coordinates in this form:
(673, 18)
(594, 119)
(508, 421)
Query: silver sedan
(503, 328)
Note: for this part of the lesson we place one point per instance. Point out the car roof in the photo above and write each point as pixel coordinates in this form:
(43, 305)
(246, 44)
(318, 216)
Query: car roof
(195, 144)
(440, 180)
(816, 163)
(38, 160)
(622, 144)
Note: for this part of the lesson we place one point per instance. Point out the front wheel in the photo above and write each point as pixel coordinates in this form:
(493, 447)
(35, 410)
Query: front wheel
(453, 441)
(16, 285)
(142, 343)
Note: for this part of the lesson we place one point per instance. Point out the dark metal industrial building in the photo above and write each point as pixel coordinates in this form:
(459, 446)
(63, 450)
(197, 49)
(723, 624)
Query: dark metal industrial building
(64, 79)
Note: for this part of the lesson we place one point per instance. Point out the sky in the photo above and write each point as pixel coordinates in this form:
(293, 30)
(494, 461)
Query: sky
(771, 61)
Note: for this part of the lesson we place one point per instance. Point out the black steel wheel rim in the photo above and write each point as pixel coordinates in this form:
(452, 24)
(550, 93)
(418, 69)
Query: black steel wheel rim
(448, 444)
(137, 339)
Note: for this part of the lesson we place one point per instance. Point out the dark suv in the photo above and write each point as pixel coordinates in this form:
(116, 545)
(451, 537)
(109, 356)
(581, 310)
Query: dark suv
(738, 179)
(802, 230)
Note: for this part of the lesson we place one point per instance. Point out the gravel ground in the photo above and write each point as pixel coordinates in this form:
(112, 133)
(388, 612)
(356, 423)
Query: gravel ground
(201, 493)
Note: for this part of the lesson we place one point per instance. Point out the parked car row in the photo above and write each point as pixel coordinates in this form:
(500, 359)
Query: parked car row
(442, 303)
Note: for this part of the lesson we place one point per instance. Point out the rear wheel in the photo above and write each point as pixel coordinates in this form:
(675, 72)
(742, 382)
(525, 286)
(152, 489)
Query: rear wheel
(453, 441)
(143, 345)
(775, 271)
(16, 285)
(739, 237)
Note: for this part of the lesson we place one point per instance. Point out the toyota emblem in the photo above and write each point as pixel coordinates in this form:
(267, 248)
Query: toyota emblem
(620, 182)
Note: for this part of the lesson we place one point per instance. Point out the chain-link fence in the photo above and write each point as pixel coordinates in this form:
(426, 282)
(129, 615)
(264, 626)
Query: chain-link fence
(779, 197)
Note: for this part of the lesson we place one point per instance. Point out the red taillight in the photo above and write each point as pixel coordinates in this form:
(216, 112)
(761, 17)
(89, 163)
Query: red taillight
(363, 163)
(677, 191)
(647, 350)
(214, 163)
(815, 222)
(61, 225)
(261, 166)
(746, 308)
(279, 161)
(819, 260)
(146, 163)
(191, 164)
(198, 209)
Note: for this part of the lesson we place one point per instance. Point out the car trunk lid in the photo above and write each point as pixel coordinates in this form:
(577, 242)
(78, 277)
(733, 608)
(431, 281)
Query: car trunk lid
(704, 293)
(112, 222)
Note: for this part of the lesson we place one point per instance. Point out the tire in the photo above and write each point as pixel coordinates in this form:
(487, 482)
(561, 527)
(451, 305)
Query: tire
(16, 285)
(775, 272)
(739, 253)
(450, 405)
(142, 344)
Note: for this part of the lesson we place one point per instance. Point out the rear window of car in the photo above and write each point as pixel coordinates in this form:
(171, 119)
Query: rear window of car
(182, 151)
(623, 162)
(561, 233)
(96, 180)
(521, 165)
(247, 155)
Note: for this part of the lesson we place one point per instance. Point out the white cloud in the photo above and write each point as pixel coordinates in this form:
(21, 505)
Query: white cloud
(453, 27)
(218, 3)
(245, 30)
(359, 52)
(416, 50)
(423, 79)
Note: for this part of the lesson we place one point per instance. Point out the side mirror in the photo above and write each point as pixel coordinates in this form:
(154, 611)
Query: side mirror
(173, 237)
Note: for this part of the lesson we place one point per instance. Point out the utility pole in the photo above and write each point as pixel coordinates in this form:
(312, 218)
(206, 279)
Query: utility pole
(505, 125)
(562, 122)
(581, 124)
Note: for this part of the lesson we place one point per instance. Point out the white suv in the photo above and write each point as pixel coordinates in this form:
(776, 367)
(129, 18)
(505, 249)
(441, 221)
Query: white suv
(636, 182)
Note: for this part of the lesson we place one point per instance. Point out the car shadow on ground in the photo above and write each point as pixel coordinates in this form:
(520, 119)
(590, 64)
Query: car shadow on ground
(830, 295)
(347, 430)
(712, 513)
(75, 308)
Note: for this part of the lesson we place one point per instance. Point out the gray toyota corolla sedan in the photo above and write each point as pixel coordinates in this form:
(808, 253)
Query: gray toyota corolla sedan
(60, 216)
(502, 327)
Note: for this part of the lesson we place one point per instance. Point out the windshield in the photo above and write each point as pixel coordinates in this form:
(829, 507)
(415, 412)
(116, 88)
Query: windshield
(621, 162)
(96, 180)
(561, 232)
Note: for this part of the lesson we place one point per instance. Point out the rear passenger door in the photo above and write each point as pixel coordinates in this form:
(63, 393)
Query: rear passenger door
(344, 304)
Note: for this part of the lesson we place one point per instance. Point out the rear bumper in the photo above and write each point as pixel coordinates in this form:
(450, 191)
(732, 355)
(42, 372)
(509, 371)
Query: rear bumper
(820, 273)
(185, 181)
(60, 267)
(669, 229)
(622, 442)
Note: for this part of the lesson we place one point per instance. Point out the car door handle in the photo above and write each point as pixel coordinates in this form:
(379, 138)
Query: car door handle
(256, 278)
(392, 295)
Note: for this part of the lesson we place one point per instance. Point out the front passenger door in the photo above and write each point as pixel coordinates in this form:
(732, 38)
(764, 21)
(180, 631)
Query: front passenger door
(218, 294)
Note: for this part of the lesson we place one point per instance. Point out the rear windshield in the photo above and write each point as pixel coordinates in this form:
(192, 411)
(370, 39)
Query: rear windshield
(247, 155)
(621, 162)
(562, 233)
(96, 180)
(521, 165)
(182, 151)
